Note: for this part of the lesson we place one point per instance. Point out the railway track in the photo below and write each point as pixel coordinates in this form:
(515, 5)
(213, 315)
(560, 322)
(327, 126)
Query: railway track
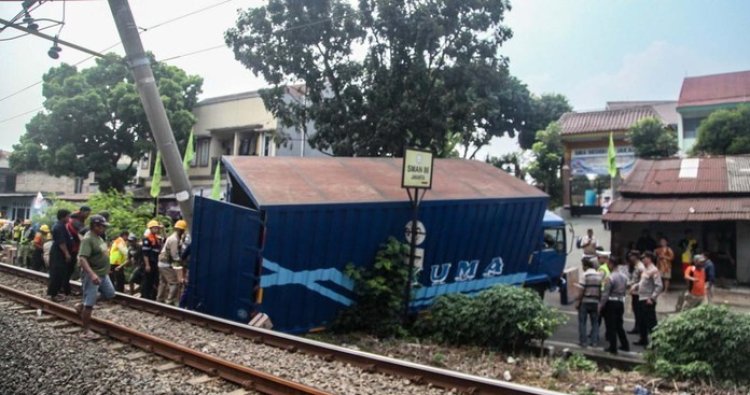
(373, 372)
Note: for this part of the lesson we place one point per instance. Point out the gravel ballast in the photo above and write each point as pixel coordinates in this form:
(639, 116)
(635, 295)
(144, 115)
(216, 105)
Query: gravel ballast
(38, 358)
(332, 376)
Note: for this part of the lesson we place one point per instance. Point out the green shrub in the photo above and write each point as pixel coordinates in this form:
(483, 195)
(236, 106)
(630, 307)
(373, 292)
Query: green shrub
(706, 343)
(124, 212)
(379, 290)
(503, 316)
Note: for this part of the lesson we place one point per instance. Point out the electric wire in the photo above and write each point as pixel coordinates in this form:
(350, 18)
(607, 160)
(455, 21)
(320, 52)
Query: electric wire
(207, 49)
(153, 27)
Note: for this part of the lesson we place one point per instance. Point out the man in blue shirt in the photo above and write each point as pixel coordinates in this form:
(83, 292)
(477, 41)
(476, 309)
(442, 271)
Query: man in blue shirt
(60, 258)
(710, 269)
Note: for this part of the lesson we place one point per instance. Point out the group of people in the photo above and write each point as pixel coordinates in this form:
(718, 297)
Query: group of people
(643, 276)
(153, 266)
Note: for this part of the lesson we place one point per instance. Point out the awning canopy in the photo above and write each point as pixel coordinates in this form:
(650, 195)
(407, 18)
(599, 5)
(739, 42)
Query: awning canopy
(679, 210)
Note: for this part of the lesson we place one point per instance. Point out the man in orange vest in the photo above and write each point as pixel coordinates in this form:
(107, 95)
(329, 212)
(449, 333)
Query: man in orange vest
(695, 275)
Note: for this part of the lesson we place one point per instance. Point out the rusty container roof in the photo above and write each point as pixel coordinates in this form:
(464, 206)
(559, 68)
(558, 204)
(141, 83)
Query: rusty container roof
(284, 180)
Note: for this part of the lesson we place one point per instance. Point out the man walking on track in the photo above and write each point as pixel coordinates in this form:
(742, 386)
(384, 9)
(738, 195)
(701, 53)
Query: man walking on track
(93, 257)
(60, 258)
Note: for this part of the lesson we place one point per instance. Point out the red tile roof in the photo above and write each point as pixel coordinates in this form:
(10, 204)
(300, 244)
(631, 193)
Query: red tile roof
(604, 121)
(285, 180)
(715, 89)
(679, 209)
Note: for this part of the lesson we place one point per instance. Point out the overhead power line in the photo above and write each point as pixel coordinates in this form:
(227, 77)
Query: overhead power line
(207, 49)
(152, 27)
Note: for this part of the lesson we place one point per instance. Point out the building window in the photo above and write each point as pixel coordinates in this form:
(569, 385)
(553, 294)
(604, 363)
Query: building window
(202, 153)
(690, 127)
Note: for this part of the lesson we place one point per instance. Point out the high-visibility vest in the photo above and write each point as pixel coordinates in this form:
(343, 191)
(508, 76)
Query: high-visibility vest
(116, 257)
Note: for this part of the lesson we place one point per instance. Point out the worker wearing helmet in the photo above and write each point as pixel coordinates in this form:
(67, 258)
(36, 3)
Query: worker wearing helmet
(118, 256)
(37, 255)
(151, 247)
(24, 244)
(170, 266)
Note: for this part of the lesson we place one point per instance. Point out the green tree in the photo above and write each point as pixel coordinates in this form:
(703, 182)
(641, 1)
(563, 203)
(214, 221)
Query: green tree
(725, 132)
(427, 70)
(546, 108)
(510, 162)
(547, 163)
(93, 120)
(124, 212)
(651, 139)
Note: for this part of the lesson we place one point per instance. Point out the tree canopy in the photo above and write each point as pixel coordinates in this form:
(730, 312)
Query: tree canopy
(725, 132)
(93, 119)
(547, 163)
(546, 108)
(651, 139)
(387, 74)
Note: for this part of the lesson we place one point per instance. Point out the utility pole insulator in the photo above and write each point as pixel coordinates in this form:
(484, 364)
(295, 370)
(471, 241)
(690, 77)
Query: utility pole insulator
(153, 106)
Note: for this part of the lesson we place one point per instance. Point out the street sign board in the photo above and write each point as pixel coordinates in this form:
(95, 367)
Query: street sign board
(421, 232)
(417, 169)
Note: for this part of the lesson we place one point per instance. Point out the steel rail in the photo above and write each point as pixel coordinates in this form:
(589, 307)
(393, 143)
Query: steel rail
(418, 373)
(242, 375)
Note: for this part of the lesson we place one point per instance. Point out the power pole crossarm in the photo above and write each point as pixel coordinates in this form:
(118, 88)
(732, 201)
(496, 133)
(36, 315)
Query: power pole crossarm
(153, 106)
(50, 38)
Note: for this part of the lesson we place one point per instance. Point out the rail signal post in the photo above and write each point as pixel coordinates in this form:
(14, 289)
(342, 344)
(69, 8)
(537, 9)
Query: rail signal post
(416, 178)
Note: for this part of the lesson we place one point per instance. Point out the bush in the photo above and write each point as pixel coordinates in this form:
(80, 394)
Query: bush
(503, 316)
(124, 213)
(706, 343)
(379, 291)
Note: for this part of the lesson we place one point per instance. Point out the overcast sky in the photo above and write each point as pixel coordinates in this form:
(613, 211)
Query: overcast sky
(592, 51)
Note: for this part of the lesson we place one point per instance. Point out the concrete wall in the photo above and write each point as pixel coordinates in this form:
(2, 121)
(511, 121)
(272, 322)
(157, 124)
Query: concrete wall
(238, 113)
(37, 181)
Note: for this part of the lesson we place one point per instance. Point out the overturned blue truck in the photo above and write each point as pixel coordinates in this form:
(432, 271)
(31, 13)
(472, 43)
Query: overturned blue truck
(289, 227)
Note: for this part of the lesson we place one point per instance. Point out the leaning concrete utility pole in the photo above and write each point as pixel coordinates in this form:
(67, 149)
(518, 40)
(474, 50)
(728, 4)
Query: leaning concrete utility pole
(152, 104)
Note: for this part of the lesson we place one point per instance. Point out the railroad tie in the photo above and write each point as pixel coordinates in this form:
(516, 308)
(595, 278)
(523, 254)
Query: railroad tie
(45, 318)
(200, 380)
(59, 324)
(237, 392)
(167, 367)
(17, 307)
(28, 311)
(116, 346)
(73, 329)
(136, 355)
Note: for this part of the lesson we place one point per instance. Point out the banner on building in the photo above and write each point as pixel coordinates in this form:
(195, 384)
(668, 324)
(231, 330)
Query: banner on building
(596, 161)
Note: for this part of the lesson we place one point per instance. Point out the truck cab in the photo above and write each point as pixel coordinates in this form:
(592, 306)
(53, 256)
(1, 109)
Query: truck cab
(547, 263)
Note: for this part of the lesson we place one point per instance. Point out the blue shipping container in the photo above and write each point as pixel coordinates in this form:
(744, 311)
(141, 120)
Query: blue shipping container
(320, 214)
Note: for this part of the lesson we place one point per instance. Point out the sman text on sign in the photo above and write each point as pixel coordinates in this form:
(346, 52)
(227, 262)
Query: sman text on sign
(417, 170)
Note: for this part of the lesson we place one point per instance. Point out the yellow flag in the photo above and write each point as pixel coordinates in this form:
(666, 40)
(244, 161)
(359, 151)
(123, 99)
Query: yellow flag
(156, 177)
(189, 152)
(216, 188)
(612, 157)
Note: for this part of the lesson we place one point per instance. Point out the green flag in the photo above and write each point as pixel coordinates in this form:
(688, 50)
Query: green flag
(216, 188)
(612, 157)
(156, 177)
(189, 152)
